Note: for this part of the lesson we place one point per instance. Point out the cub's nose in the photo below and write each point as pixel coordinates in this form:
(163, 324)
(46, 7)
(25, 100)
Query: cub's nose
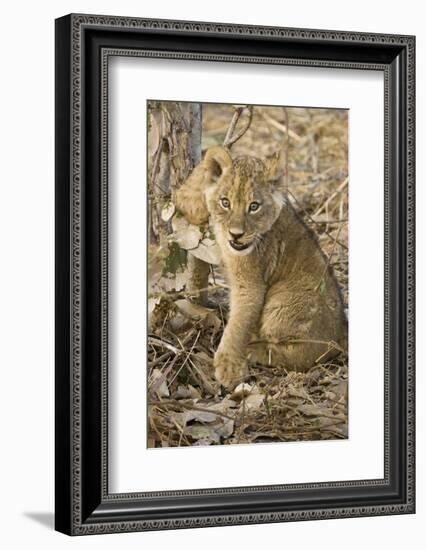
(236, 234)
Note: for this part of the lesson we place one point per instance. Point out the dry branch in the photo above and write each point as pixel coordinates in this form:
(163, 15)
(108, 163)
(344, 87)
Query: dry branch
(231, 135)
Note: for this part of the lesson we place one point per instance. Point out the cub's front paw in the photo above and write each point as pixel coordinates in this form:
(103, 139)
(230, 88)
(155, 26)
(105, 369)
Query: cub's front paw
(229, 370)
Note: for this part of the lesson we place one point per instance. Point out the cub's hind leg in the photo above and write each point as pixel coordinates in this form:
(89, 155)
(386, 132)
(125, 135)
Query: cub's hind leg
(294, 330)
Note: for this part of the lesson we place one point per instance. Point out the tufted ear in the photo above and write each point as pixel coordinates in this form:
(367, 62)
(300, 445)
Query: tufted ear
(217, 162)
(190, 198)
(275, 168)
(277, 177)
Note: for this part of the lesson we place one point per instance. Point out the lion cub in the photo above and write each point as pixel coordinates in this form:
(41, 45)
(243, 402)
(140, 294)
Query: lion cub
(285, 304)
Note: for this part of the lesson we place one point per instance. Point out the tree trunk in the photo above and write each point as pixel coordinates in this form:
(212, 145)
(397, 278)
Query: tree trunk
(174, 148)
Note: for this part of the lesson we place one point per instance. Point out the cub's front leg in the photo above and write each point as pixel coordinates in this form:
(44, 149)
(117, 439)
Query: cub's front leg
(230, 360)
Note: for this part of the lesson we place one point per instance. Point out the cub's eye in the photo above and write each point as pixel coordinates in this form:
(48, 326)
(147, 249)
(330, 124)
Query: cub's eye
(254, 207)
(225, 202)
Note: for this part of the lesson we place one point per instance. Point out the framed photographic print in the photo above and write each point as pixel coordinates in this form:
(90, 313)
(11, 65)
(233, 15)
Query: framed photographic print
(234, 274)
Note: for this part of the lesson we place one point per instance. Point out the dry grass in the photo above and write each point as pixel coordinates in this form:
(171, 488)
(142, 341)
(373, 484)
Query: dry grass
(186, 404)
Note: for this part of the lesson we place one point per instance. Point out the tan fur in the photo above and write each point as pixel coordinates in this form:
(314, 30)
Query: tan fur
(285, 302)
(190, 197)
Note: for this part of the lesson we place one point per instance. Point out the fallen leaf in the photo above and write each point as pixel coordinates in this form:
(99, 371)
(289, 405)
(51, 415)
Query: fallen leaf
(182, 392)
(241, 390)
(186, 392)
(178, 322)
(185, 234)
(199, 431)
(226, 429)
(195, 393)
(202, 442)
(201, 416)
(161, 390)
(152, 302)
(313, 410)
(297, 392)
(253, 401)
(167, 211)
(250, 396)
(168, 282)
(191, 310)
(224, 406)
(155, 267)
(209, 253)
(211, 433)
(181, 279)
(202, 412)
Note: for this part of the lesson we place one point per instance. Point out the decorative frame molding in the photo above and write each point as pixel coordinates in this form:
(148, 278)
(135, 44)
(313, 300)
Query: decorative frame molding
(84, 44)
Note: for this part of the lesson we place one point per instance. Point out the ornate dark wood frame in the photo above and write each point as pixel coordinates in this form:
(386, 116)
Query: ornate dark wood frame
(83, 45)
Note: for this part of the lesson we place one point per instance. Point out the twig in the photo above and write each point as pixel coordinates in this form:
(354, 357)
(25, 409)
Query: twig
(182, 433)
(188, 355)
(154, 427)
(231, 129)
(176, 403)
(331, 197)
(187, 294)
(281, 127)
(330, 343)
(230, 137)
(155, 340)
(177, 352)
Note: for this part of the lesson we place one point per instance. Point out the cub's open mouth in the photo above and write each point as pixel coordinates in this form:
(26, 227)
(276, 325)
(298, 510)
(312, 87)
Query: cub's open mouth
(239, 246)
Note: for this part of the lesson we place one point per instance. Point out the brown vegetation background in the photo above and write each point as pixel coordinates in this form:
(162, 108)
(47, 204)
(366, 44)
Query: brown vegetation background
(186, 405)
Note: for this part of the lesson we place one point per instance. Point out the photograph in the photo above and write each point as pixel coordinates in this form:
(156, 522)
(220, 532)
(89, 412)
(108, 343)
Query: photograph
(248, 277)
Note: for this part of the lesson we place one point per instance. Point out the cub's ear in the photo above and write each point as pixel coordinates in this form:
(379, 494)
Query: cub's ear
(190, 198)
(277, 177)
(275, 167)
(217, 162)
